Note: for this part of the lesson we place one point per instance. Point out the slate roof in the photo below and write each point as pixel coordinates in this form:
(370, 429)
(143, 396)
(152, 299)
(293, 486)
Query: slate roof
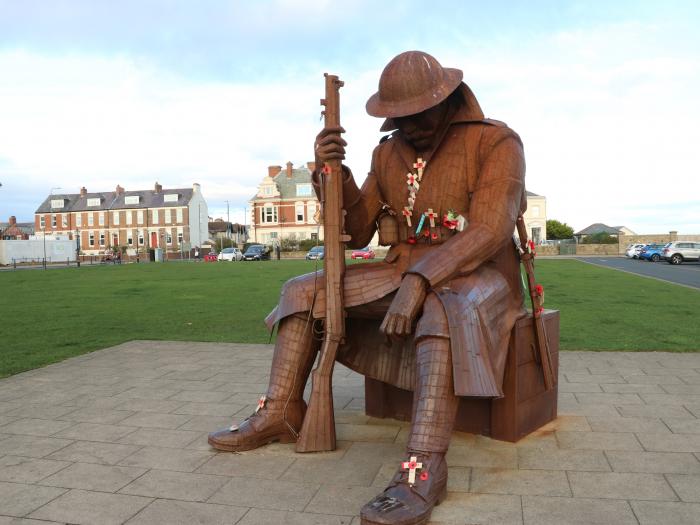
(287, 186)
(113, 201)
(598, 227)
(530, 194)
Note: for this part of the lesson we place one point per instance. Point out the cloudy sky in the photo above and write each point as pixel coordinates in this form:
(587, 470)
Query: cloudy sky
(97, 93)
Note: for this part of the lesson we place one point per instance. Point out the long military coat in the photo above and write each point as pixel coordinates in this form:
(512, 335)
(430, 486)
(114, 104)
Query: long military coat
(477, 171)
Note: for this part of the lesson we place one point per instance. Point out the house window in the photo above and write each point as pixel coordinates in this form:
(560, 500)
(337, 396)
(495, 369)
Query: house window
(139, 216)
(269, 214)
(91, 219)
(102, 239)
(101, 218)
(129, 240)
(536, 232)
(311, 210)
(178, 215)
(299, 212)
(179, 237)
(141, 238)
(64, 220)
(304, 190)
(267, 191)
(170, 197)
(93, 202)
(128, 217)
(79, 220)
(53, 221)
(91, 239)
(131, 199)
(42, 222)
(115, 218)
(57, 203)
(156, 216)
(168, 215)
(535, 211)
(168, 238)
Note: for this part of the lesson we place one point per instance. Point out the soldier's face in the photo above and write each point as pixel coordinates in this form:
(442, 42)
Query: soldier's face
(420, 129)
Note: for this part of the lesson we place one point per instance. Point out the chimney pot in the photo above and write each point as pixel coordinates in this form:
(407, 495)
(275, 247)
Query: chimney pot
(119, 190)
(158, 188)
(83, 191)
(289, 170)
(273, 171)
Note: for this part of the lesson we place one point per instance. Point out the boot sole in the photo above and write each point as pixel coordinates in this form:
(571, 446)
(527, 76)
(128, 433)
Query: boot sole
(421, 521)
(279, 438)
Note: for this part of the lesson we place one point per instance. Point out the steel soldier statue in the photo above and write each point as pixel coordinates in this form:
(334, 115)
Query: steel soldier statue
(444, 190)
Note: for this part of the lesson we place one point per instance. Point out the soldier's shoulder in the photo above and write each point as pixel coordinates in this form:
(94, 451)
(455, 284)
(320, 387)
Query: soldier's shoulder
(497, 130)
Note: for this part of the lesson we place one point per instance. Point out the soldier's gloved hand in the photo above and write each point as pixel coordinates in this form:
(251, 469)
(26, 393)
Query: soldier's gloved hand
(329, 145)
(398, 321)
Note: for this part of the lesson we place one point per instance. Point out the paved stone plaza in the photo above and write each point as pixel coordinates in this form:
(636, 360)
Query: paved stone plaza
(119, 436)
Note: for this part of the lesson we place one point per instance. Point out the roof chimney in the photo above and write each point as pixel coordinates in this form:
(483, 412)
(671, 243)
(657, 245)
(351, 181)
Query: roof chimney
(13, 220)
(119, 190)
(289, 170)
(311, 166)
(83, 191)
(273, 171)
(158, 188)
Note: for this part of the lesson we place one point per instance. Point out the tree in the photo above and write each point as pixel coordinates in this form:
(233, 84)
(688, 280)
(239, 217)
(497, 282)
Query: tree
(559, 230)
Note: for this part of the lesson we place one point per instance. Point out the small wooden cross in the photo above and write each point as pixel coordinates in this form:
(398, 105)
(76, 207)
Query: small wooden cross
(420, 165)
(412, 466)
(412, 181)
(261, 404)
(407, 212)
(432, 216)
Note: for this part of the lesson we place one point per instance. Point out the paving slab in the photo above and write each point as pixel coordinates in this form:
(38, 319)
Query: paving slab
(120, 436)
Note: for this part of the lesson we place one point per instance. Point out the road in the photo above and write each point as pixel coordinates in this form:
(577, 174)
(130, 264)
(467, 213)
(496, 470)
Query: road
(687, 274)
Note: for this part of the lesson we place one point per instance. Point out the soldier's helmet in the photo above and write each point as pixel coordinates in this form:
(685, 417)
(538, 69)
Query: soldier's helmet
(412, 82)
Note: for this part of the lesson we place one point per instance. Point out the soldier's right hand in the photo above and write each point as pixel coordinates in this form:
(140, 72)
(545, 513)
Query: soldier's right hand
(329, 145)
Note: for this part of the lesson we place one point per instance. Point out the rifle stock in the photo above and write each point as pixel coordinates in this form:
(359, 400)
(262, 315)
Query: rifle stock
(540, 332)
(318, 430)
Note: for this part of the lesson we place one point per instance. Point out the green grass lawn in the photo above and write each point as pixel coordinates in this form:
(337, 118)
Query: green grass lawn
(50, 315)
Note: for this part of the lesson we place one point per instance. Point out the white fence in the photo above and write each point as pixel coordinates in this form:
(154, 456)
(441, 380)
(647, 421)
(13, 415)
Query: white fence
(36, 250)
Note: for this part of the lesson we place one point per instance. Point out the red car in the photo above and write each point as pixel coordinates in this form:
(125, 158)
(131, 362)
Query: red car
(211, 257)
(364, 253)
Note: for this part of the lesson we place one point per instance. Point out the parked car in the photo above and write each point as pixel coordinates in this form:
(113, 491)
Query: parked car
(210, 257)
(230, 254)
(651, 252)
(257, 252)
(317, 252)
(364, 253)
(677, 252)
(633, 250)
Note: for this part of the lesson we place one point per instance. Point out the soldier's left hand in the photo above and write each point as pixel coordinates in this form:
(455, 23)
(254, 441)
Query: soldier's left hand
(398, 321)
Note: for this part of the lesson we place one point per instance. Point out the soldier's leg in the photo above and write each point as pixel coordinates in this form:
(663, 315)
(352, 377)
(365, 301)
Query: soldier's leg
(281, 411)
(421, 480)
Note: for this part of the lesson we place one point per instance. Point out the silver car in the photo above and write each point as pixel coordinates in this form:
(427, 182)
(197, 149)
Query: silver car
(230, 254)
(677, 252)
(633, 250)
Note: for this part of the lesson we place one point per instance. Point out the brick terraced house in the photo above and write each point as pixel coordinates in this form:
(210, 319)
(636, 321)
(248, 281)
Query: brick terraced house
(172, 219)
(285, 206)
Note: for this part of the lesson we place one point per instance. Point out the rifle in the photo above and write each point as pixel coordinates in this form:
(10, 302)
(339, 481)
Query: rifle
(318, 430)
(526, 256)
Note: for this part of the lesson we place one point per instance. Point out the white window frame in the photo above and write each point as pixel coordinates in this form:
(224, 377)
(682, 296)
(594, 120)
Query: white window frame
(268, 214)
(305, 189)
(42, 221)
(91, 239)
(115, 218)
(64, 220)
(178, 215)
(102, 238)
(128, 217)
(79, 220)
(139, 217)
(101, 218)
(156, 216)
(299, 206)
(53, 221)
(91, 219)
(94, 201)
(132, 199)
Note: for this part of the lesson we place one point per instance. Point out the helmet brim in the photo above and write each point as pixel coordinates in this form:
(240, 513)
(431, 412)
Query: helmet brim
(377, 107)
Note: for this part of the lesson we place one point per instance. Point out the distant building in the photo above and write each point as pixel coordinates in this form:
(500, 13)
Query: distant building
(171, 219)
(285, 206)
(14, 230)
(221, 229)
(599, 227)
(536, 217)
